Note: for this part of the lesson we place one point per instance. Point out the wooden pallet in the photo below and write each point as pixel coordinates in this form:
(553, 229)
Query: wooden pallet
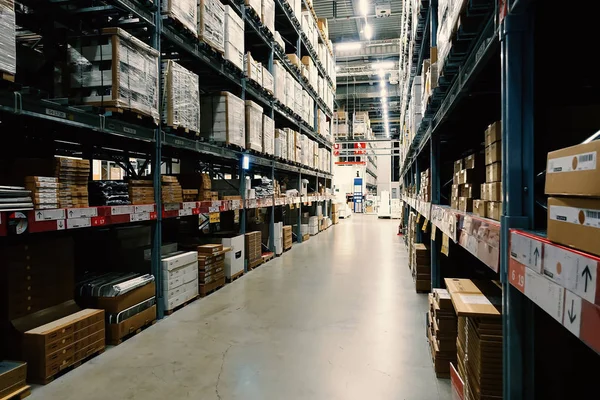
(305, 237)
(67, 369)
(268, 256)
(18, 394)
(255, 264)
(287, 249)
(132, 334)
(179, 307)
(234, 277)
(212, 287)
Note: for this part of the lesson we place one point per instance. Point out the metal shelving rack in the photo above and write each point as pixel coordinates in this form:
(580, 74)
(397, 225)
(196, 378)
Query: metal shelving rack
(93, 134)
(495, 62)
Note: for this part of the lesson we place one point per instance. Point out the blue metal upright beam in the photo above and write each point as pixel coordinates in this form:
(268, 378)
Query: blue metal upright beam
(299, 227)
(272, 219)
(433, 9)
(517, 50)
(434, 154)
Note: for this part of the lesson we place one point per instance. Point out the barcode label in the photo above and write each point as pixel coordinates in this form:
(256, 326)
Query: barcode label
(592, 214)
(577, 162)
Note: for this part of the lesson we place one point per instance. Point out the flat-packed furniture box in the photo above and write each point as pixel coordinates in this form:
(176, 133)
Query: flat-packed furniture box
(128, 300)
(181, 92)
(131, 83)
(211, 24)
(180, 278)
(422, 267)
(73, 177)
(211, 267)
(268, 15)
(442, 333)
(183, 11)
(287, 237)
(253, 246)
(267, 81)
(44, 191)
(141, 191)
(234, 260)
(254, 126)
(13, 375)
(223, 119)
(171, 190)
(51, 347)
(253, 68)
(234, 37)
(281, 146)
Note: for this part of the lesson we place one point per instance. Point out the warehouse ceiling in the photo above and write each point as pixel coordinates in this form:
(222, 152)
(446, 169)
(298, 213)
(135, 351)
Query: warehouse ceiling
(367, 51)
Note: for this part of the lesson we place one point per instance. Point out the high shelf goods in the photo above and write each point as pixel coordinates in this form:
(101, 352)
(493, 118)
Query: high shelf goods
(488, 118)
(164, 138)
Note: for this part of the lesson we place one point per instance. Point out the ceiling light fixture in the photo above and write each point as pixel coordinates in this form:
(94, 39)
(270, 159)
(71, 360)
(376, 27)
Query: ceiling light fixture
(346, 46)
(368, 32)
(383, 65)
(363, 7)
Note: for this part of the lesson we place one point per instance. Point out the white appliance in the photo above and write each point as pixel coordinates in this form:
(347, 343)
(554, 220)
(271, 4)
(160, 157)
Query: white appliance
(396, 208)
(384, 205)
(234, 259)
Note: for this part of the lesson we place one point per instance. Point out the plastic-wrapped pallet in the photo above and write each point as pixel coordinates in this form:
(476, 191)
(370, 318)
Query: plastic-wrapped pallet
(267, 80)
(223, 119)
(234, 37)
(254, 126)
(256, 5)
(253, 68)
(180, 90)
(134, 66)
(298, 108)
(281, 149)
(291, 144)
(268, 135)
(268, 14)
(183, 11)
(8, 46)
(279, 78)
(306, 106)
(303, 148)
(316, 154)
(297, 8)
(289, 91)
(211, 24)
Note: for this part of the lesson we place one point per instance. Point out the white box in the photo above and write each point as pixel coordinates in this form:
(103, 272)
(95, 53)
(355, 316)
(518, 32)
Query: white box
(234, 259)
(254, 126)
(281, 144)
(179, 260)
(268, 135)
(267, 81)
(180, 276)
(268, 14)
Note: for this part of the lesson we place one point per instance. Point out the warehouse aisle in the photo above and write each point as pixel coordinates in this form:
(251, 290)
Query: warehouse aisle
(334, 318)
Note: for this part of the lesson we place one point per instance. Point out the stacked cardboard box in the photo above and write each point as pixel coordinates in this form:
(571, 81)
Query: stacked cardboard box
(171, 190)
(223, 119)
(73, 177)
(190, 194)
(335, 213)
(411, 237)
(44, 191)
(281, 144)
(253, 247)
(61, 342)
(208, 195)
(253, 68)
(12, 379)
(268, 135)
(422, 267)
(573, 181)
(141, 191)
(465, 185)
(254, 126)
(478, 305)
(491, 191)
(268, 14)
(211, 24)
(180, 278)
(287, 237)
(313, 225)
(8, 55)
(425, 187)
(234, 37)
(183, 11)
(211, 267)
(442, 331)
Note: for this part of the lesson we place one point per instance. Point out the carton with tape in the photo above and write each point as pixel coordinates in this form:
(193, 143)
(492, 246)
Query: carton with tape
(573, 171)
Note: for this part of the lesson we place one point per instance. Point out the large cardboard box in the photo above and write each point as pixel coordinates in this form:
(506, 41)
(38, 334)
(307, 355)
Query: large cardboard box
(493, 172)
(12, 377)
(465, 204)
(493, 133)
(494, 191)
(475, 298)
(575, 222)
(493, 210)
(493, 153)
(480, 208)
(574, 171)
(254, 126)
(234, 260)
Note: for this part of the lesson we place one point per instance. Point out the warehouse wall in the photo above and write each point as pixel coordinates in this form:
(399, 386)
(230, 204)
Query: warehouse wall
(343, 177)
(384, 167)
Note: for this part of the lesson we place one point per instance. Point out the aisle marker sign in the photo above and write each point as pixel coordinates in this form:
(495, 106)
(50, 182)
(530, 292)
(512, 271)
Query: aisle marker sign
(433, 231)
(424, 228)
(445, 245)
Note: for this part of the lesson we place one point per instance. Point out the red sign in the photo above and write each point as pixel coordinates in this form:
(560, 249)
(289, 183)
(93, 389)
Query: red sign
(361, 148)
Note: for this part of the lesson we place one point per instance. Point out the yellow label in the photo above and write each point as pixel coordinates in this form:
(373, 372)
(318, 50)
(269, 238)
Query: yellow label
(214, 217)
(433, 231)
(424, 227)
(419, 218)
(445, 245)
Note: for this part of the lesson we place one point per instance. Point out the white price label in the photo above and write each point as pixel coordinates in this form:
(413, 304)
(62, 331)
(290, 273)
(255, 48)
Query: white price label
(526, 251)
(137, 217)
(235, 204)
(572, 315)
(121, 210)
(49, 215)
(213, 209)
(79, 223)
(216, 203)
(185, 212)
(82, 212)
(147, 208)
(172, 206)
(574, 215)
(189, 205)
(575, 272)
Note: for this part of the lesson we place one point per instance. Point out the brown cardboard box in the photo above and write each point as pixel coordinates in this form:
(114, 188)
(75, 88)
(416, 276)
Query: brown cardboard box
(455, 190)
(210, 248)
(433, 54)
(493, 210)
(454, 203)
(466, 176)
(575, 222)
(465, 204)
(494, 191)
(12, 377)
(493, 172)
(117, 304)
(573, 171)
(423, 285)
(443, 299)
(473, 161)
(493, 133)
(294, 60)
(469, 190)
(458, 165)
(493, 153)
(480, 208)
(484, 191)
(475, 298)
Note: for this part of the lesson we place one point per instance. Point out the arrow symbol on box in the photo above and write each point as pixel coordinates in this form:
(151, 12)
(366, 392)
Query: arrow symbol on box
(39, 214)
(536, 254)
(571, 314)
(70, 213)
(587, 274)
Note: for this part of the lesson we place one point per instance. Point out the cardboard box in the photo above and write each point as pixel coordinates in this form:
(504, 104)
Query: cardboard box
(493, 133)
(493, 172)
(423, 285)
(575, 222)
(465, 176)
(468, 190)
(465, 204)
(493, 153)
(574, 171)
(12, 377)
(494, 191)
(473, 161)
(475, 298)
(480, 208)
(114, 305)
(454, 203)
(442, 297)
(210, 248)
(493, 210)
(458, 165)
(455, 190)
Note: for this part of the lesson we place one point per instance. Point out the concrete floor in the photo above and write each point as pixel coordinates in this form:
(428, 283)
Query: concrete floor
(334, 318)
